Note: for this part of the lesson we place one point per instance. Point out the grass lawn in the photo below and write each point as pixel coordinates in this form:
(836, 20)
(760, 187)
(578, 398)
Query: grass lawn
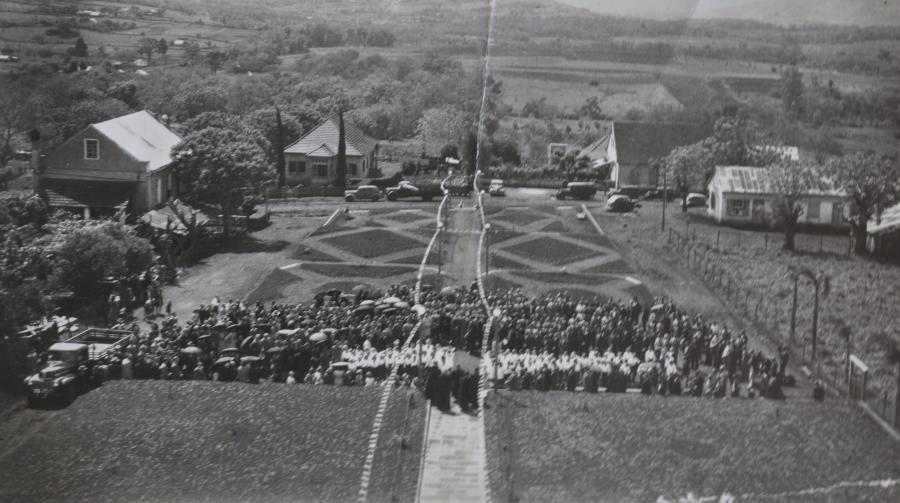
(519, 217)
(373, 243)
(197, 441)
(552, 251)
(608, 447)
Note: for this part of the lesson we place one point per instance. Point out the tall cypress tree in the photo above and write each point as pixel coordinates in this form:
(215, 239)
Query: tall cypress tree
(340, 176)
(279, 149)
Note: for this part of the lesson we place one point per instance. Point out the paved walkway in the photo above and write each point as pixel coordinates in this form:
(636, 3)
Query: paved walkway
(455, 461)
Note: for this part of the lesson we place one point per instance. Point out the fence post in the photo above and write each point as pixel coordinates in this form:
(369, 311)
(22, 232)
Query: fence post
(718, 235)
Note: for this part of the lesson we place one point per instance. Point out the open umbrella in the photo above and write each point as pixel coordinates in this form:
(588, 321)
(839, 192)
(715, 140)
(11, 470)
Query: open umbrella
(401, 305)
(318, 337)
(307, 323)
(657, 307)
(230, 351)
(192, 350)
(390, 300)
(249, 359)
(390, 311)
(367, 303)
(329, 331)
(288, 332)
(205, 337)
(224, 359)
(448, 290)
(276, 349)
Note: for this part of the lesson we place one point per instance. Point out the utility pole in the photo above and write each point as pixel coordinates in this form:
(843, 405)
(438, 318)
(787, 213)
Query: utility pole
(794, 311)
(665, 197)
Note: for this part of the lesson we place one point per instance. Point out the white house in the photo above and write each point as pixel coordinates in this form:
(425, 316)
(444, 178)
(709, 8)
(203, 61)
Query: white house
(741, 195)
(312, 160)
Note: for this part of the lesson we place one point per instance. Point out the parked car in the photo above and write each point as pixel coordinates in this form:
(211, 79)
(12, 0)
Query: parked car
(577, 190)
(695, 200)
(632, 191)
(620, 203)
(496, 188)
(658, 194)
(363, 193)
(405, 189)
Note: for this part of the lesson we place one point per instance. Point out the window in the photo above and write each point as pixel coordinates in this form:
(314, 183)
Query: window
(91, 149)
(351, 170)
(738, 208)
(712, 200)
(296, 168)
(812, 210)
(321, 170)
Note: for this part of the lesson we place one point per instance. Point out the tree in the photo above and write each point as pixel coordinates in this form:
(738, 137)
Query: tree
(218, 164)
(790, 182)
(340, 178)
(449, 150)
(146, 47)
(88, 255)
(591, 108)
(792, 91)
(81, 49)
(872, 182)
(686, 169)
(162, 47)
(215, 59)
(191, 50)
(14, 113)
(23, 280)
(277, 128)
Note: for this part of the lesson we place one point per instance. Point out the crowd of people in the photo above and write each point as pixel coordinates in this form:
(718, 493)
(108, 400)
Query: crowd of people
(559, 343)
(551, 342)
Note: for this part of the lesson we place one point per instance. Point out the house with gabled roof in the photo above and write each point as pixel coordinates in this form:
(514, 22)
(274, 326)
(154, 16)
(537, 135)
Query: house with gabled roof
(743, 195)
(312, 160)
(635, 147)
(122, 163)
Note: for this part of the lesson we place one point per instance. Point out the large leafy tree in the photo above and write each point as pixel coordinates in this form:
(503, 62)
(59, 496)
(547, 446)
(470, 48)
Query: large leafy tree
(220, 165)
(147, 46)
(731, 144)
(23, 279)
(84, 257)
(790, 182)
(872, 182)
(278, 128)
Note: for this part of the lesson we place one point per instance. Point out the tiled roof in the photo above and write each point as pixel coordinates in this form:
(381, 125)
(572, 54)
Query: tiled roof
(327, 134)
(142, 136)
(640, 142)
(60, 193)
(751, 180)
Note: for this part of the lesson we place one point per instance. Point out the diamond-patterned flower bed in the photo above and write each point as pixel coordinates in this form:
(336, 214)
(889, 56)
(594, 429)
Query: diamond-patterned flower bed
(520, 217)
(360, 271)
(406, 217)
(559, 277)
(552, 251)
(309, 254)
(501, 262)
(374, 243)
(618, 266)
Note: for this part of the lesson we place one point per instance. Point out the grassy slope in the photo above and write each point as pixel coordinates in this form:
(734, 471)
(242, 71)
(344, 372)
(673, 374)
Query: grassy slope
(578, 447)
(202, 442)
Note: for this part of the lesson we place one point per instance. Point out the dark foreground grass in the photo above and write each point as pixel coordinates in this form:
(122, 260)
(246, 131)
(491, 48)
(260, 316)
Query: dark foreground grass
(606, 447)
(197, 441)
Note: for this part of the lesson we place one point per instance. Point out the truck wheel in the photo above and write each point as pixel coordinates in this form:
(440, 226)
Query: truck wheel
(349, 199)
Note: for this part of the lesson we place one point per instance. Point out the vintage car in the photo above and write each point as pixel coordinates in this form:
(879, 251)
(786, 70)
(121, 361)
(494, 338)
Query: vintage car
(363, 193)
(577, 190)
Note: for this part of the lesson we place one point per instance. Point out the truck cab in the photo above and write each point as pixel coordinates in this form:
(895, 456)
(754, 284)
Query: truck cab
(577, 190)
(67, 372)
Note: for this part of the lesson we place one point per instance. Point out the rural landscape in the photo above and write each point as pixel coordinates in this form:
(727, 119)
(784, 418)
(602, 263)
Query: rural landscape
(411, 250)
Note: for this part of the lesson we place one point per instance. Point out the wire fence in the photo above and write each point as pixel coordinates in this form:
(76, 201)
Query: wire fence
(726, 238)
(769, 315)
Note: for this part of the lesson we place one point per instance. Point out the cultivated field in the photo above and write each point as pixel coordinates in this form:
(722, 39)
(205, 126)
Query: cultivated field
(561, 446)
(205, 441)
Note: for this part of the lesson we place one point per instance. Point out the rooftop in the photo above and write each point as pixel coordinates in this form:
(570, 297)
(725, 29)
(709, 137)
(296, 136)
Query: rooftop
(142, 136)
(323, 139)
(753, 180)
(61, 193)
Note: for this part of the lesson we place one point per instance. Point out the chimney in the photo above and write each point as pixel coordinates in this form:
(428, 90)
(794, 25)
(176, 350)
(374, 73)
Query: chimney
(35, 164)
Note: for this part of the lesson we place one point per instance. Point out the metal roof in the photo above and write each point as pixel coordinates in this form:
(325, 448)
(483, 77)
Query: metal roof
(889, 221)
(327, 135)
(66, 346)
(143, 137)
(65, 193)
(754, 180)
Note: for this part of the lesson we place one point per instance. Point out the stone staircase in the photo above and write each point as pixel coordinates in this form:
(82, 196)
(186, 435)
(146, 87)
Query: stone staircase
(455, 461)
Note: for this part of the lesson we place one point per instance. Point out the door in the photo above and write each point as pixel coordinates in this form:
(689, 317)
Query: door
(837, 214)
(759, 211)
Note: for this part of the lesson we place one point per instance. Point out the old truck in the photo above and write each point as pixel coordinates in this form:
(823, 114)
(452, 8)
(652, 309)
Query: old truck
(71, 366)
